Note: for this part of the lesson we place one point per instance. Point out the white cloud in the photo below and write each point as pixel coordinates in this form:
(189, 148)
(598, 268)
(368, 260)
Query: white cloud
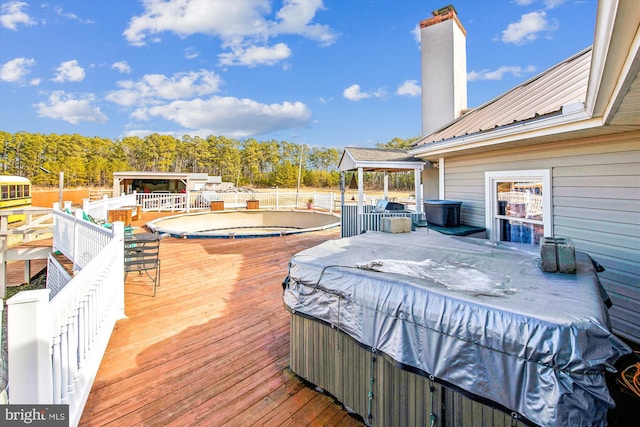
(121, 66)
(354, 93)
(499, 73)
(295, 18)
(191, 53)
(233, 117)
(11, 15)
(153, 88)
(528, 28)
(241, 28)
(65, 106)
(16, 70)
(549, 4)
(552, 4)
(69, 71)
(409, 88)
(58, 10)
(417, 34)
(256, 55)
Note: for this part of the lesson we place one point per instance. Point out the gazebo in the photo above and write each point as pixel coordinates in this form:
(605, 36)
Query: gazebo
(377, 160)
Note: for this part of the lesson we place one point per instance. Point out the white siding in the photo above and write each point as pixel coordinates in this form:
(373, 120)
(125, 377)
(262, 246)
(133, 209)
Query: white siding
(596, 202)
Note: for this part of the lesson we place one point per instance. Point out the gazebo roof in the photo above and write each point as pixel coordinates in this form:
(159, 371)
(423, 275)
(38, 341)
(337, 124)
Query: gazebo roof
(378, 160)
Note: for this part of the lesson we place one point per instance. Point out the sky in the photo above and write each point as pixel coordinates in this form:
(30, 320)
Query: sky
(324, 73)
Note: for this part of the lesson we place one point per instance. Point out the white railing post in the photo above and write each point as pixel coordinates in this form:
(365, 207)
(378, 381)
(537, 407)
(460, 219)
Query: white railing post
(76, 247)
(277, 198)
(105, 207)
(30, 373)
(118, 280)
(3, 393)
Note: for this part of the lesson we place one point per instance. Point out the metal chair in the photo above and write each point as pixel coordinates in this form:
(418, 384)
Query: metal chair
(142, 254)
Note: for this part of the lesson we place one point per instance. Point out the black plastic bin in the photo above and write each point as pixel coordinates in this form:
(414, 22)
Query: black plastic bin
(444, 213)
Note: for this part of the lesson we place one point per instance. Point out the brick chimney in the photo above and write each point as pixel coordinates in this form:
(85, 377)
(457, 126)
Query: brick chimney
(444, 69)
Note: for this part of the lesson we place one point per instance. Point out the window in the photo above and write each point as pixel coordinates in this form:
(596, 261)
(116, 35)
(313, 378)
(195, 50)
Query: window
(518, 205)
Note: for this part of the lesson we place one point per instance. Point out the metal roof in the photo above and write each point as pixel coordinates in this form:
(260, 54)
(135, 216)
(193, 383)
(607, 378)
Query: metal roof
(543, 95)
(376, 159)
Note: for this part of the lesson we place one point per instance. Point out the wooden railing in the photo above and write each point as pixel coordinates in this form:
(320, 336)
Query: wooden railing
(55, 346)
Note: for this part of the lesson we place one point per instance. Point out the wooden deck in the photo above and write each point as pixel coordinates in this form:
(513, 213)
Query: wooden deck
(212, 348)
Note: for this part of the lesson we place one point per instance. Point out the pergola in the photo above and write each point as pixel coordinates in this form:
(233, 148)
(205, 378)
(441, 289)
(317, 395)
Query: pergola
(380, 160)
(122, 181)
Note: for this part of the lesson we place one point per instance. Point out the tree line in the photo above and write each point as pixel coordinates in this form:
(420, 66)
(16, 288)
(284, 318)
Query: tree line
(91, 161)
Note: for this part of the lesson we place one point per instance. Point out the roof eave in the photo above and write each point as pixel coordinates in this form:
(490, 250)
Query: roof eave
(573, 117)
(388, 166)
(615, 50)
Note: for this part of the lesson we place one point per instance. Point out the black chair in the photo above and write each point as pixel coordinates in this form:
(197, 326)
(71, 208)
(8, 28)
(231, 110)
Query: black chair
(142, 254)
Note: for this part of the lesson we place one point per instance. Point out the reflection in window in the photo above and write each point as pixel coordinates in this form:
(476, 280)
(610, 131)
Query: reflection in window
(520, 211)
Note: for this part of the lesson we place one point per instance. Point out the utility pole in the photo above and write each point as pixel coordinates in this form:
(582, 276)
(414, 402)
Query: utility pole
(299, 173)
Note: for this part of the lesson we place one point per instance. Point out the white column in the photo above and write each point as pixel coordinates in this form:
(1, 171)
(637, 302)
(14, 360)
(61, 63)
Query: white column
(30, 374)
(360, 197)
(417, 175)
(386, 185)
(441, 178)
(4, 226)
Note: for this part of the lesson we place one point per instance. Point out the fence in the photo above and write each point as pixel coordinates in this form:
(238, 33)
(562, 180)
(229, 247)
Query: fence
(37, 222)
(47, 197)
(202, 200)
(352, 224)
(99, 209)
(56, 345)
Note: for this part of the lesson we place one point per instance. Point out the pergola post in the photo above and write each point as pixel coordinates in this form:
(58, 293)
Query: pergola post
(360, 197)
(386, 185)
(417, 175)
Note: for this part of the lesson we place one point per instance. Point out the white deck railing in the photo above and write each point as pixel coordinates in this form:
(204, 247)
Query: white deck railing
(99, 208)
(352, 224)
(202, 200)
(79, 240)
(55, 346)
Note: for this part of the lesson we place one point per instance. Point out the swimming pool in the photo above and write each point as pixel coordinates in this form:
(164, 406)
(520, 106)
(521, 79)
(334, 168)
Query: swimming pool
(243, 224)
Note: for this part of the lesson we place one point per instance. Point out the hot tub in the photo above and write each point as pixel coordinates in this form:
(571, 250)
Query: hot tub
(391, 323)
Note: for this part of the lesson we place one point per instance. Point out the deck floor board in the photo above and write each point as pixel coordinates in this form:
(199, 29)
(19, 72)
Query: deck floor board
(212, 348)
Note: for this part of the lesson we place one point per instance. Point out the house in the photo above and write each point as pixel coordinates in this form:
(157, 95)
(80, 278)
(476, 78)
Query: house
(558, 155)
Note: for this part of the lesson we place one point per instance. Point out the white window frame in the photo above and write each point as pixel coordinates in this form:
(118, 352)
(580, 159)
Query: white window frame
(491, 197)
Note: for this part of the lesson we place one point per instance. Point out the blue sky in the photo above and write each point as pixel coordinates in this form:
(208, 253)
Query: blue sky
(330, 73)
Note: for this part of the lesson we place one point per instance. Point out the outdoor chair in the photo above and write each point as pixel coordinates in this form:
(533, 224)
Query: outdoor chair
(128, 230)
(142, 255)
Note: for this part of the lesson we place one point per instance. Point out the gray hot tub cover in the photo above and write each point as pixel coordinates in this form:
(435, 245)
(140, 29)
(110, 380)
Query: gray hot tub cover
(479, 315)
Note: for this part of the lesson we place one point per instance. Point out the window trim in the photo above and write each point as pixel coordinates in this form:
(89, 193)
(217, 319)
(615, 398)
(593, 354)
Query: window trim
(491, 205)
